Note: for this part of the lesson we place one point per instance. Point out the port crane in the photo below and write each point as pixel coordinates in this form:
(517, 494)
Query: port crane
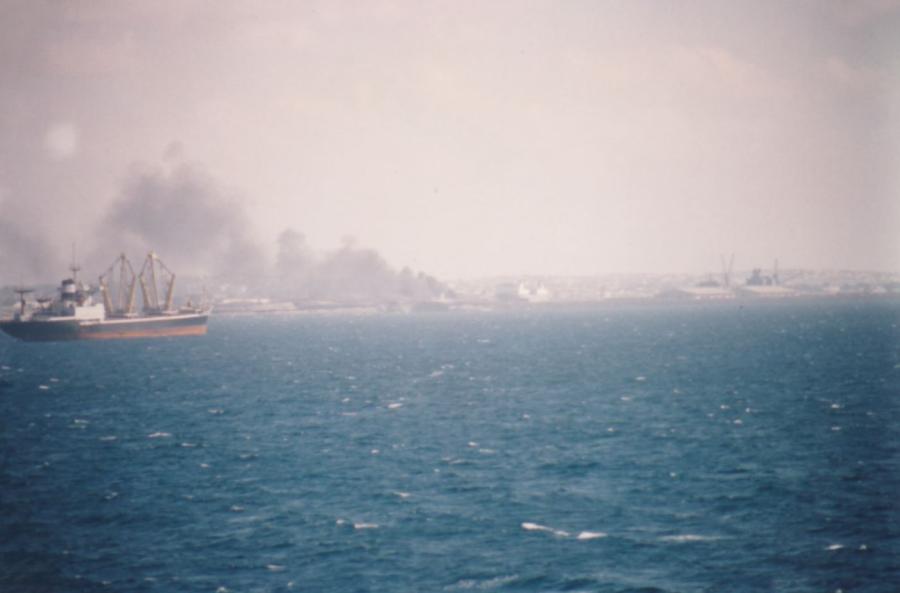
(726, 272)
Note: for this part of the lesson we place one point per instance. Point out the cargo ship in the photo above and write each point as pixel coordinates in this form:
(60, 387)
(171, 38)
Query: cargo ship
(74, 314)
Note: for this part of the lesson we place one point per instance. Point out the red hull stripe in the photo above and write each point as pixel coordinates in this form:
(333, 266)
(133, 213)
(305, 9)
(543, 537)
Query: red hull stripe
(199, 330)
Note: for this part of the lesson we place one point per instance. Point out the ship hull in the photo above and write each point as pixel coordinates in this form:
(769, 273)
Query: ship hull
(110, 329)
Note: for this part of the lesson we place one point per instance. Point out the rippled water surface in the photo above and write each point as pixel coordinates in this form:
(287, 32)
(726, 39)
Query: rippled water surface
(750, 447)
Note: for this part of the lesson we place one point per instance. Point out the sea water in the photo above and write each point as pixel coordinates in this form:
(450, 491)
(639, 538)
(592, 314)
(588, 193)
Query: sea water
(669, 448)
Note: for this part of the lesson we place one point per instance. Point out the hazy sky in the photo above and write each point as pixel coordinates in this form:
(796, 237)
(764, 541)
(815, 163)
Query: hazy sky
(468, 138)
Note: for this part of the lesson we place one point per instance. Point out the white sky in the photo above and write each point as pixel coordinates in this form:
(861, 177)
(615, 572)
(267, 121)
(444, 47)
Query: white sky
(474, 138)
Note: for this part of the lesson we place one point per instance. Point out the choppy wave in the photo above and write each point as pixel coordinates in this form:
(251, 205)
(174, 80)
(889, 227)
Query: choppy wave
(482, 584)
(585, 535)
(688, 538)
(519, 469)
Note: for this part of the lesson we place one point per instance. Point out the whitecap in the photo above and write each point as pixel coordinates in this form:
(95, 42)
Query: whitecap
(159, 435)
(204, 465)
(834, 547)
(687, 537)
(216, 411)
(498, 581)
(394, 405)
(54, 380)
(473, 444)
(402, 494)
(492, 583)
(835, 428)
(340, 522)
(435, 374)
(640, 378)
(537, 527)
(81, 422)
(237, 508)
(584, 535)
(188, 445)
(365, 526)
(375, 451)
(111, 437)
(487, 451)
(275, 567)
(738, 421)
(43, 387)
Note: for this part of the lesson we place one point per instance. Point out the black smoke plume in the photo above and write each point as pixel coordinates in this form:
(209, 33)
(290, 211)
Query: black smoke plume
(183, 215)
(347, 275)
(198, 229)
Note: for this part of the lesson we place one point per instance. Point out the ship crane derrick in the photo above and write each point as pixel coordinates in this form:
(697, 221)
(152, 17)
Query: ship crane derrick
(22, 291)
(118, 299)
(119, 286)
(149, 280)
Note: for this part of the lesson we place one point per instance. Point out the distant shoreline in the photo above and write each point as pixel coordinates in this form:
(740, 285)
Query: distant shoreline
(511, 307)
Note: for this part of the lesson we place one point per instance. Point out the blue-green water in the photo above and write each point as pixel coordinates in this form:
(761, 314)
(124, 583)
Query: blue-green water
(732, 447)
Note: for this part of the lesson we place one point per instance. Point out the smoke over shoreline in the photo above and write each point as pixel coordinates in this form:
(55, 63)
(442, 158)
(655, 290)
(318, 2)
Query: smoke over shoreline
(348, 274)
(201, 229)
